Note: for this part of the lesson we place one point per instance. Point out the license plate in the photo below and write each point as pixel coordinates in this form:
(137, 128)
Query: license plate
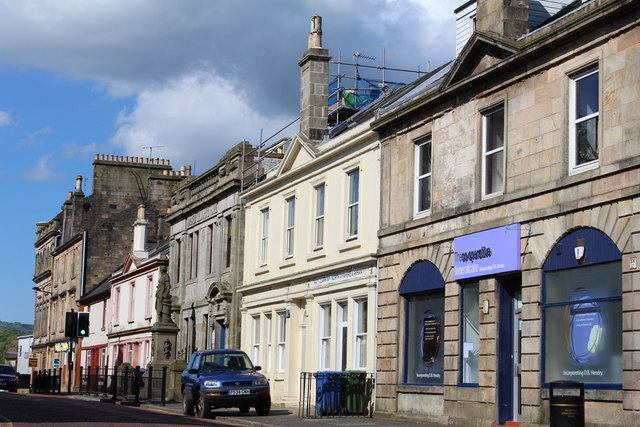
(238, 392)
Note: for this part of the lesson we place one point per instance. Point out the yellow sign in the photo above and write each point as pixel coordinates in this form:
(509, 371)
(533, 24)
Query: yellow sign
(61, 347)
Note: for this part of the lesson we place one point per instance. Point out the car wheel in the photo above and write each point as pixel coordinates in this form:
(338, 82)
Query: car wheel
(263, 408)
(244, 408)
(187, 405)
(202, 408)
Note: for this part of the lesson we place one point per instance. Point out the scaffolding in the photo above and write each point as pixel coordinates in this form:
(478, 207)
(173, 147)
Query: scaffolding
(350, 92)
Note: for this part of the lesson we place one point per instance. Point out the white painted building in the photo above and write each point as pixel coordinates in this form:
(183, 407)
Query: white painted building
(309, 290)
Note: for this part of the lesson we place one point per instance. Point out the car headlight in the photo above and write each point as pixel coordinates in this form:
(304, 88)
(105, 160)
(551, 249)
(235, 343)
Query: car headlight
(262, 381)
(212, 383)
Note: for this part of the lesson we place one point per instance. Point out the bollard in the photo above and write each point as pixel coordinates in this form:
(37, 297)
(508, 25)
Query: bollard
(114, 383)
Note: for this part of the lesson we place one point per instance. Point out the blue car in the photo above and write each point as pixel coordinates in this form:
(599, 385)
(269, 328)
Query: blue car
(223, 379)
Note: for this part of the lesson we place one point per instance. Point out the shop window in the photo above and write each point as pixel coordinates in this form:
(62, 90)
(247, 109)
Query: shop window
(423, 290)
(470, 334)
(582, 311)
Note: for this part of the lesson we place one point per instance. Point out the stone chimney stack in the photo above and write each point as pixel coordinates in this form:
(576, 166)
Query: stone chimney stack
(79, 185)
(509, 18)
(140, 234)
(314, 85)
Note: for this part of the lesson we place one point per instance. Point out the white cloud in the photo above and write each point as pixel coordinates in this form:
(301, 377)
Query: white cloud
(45, 170)
(31, 139)
(5, 119)
(193, 119)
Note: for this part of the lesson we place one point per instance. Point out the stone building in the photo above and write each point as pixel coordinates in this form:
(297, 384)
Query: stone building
(89, 238)
(509, 236)
(206, 251)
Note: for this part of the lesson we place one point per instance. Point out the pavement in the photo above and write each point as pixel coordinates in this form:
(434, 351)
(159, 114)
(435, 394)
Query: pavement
(283, 416)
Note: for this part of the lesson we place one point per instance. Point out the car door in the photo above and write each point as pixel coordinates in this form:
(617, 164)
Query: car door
(190, 379)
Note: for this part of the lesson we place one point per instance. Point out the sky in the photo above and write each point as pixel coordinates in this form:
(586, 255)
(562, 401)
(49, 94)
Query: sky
(190, 77)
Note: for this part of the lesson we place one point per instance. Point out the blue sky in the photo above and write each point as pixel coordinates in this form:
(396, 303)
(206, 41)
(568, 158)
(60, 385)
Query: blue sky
(80, 77)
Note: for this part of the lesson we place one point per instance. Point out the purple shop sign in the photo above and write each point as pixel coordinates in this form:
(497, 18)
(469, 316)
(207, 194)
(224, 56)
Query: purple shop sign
(487, 252)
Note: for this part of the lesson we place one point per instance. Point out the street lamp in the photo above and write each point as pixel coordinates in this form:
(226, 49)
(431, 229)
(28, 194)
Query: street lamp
(37, 289)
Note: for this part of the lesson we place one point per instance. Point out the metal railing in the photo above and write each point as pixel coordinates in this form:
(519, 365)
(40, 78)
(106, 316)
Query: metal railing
(46, 381)
(125, 383)
(336, 394)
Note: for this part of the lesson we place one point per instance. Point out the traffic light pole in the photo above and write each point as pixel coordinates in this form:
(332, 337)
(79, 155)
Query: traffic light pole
(70, 365)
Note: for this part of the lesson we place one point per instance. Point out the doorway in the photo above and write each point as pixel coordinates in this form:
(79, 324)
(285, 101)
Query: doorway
(509, 348)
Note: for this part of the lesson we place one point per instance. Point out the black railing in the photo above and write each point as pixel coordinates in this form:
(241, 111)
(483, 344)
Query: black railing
(336, 394)
(46, 381)
(125, 383)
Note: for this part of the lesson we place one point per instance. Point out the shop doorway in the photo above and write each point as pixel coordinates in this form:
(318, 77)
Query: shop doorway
(509, 348)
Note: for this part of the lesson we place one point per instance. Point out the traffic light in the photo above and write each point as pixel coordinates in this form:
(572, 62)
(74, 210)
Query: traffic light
(70, 324)
(83, 325)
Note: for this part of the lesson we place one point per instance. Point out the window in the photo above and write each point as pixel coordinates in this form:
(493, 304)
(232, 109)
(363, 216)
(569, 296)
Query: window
(269, 326)
(129, 353)
(325, 336)
(318, 234)
(423, 176)
(193, 259)
(149, 298)
(282, 336)
(470, 334)
(104, 314)
(354, 198)
(212, 248)
(291, 222)
(229, 221)
(361, 334)
(264, 239)
(132, 301)
(583, 118)
(423, 290)
(343, 328)
(178, 259)
(493, 152)
(256, 339)
(582, 310)
(116, 308)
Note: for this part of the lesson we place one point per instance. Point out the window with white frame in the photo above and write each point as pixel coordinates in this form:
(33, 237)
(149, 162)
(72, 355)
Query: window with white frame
(116, 307)
(291, 216)
(264, 236)
(423, 176)
(269, 326)
(325, 336)
(343, 330)
(318, 234)
(256, 339)
(353, 201)
(584, 112)
(493, 161)
(132, 301)
(282, 337)
(361, 333)
(149, 298)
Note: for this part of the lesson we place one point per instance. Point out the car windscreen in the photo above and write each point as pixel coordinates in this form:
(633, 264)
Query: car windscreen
(6, 370)
(225, 361)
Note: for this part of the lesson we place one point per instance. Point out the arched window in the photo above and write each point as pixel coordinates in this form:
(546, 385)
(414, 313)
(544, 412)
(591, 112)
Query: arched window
(423, 289)
(582, 310)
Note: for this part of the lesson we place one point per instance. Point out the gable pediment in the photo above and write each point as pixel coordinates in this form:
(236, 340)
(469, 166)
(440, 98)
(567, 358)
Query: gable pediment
(129, 265)
(483, 51)
(299, 153)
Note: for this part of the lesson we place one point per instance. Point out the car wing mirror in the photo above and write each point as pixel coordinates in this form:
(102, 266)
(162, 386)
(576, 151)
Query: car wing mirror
(193, 371)
(257, 368)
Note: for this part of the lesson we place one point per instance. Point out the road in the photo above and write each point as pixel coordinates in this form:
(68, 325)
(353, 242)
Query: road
(19, 410)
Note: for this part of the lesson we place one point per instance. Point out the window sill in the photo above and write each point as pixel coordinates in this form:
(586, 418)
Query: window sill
(317, 253)
(288, 262)
(425, 389)
(422, 214)
(575, 170)
(353, 243)
(263, 269)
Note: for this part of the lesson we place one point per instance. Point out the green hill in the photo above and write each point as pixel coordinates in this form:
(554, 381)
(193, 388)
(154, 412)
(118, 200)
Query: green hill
(9, 332)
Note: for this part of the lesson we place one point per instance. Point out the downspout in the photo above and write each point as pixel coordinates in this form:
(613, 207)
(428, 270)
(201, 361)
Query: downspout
(84, 261)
